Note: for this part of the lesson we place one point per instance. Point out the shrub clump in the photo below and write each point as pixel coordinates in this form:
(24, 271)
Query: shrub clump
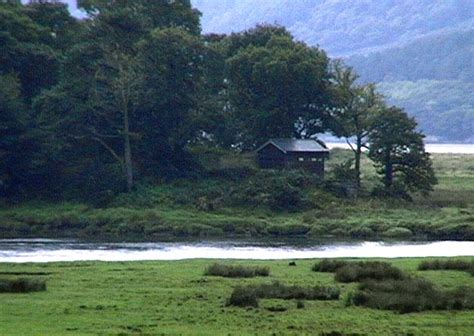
(277, 290)
(329, 265)
(411, 295)
(244, 296)
(449, 264)
(22, 285)
(375, 270)
(236, 271)
(398, 232)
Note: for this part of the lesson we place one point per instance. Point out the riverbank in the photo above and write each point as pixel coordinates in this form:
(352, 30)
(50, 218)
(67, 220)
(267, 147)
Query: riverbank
(172, 298)
(253, 204)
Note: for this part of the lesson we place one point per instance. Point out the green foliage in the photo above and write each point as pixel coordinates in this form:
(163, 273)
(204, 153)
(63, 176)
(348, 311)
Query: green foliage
(236, 271)
(22, 285)
(398, 152)
(278, 190)
(278, 89)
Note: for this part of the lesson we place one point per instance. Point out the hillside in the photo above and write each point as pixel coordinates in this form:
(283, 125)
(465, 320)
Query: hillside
(339, 28)
(421, 53)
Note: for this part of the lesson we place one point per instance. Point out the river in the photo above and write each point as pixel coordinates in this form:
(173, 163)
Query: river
(430, 148)
(42, 250)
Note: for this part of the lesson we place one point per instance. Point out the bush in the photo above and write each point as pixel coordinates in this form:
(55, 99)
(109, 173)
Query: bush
(289, 230)
(277, 290)
(329, 265)
(461, 231)
(300, 304)
(277, 190)
(362, 232)
(449, 264)
(411, 295)
(243, 297)
(376, 270)
(22, 285)
(236, 271)
(398, 232)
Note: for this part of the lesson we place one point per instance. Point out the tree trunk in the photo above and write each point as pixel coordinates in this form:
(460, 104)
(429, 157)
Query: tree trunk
(388, 180)
(358, 155)
(128, 168)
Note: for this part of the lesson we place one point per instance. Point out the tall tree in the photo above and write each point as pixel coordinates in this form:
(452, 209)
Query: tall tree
(14, 161)
(172, 60)
(55, 17)
(124, 73)
(356, 106)
(278, 90)
(398, 151)
(25, 50)
(153, 14)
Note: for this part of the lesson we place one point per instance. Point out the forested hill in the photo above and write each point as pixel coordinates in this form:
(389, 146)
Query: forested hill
(341, 27)
(421, 52)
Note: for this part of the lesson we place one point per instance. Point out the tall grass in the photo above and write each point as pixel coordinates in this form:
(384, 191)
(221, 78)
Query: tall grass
(449, 264)
(236, 271)
(329, 265)
(346, 271)
(22, 285)
(411, 295)
(249, 295)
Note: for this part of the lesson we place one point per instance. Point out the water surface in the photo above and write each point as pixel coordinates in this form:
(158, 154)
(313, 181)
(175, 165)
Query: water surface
(40, 250)
(430, 148)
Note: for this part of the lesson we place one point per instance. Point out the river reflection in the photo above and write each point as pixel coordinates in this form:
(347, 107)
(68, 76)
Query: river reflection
(41, 250)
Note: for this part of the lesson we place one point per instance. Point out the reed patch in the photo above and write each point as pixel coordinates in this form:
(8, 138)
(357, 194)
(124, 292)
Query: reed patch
(22, 285)
(249, 295)
(236, 271)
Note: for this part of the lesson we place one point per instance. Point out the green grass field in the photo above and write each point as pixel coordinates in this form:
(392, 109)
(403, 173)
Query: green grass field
(175, 298)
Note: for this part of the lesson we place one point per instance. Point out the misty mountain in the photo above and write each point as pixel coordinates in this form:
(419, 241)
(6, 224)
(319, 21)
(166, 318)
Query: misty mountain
(421, 53)
(341, 27)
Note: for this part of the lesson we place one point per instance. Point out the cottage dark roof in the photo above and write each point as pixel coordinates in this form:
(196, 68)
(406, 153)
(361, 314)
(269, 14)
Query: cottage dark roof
(296, 145)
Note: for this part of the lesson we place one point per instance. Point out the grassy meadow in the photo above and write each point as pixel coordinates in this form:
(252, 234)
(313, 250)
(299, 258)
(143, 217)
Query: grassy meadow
(236, 200)
(176, 298)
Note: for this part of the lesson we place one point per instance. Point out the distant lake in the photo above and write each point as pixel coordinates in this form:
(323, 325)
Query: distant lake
(40, 250)
(430, 148)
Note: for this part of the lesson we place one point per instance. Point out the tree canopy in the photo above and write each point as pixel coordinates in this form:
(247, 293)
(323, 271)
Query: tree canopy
(399, 153)
(89, 107)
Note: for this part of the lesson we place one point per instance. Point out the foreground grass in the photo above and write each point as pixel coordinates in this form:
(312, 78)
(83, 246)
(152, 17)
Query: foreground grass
(175, 298)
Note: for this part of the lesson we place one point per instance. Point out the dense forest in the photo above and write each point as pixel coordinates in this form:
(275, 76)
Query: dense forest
(96, 105)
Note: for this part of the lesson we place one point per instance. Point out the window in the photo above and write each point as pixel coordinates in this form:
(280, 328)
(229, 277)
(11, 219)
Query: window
(313, 159)
(301, 159)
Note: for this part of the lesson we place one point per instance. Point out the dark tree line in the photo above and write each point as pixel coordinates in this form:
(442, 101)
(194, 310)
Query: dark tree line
(91, 106)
